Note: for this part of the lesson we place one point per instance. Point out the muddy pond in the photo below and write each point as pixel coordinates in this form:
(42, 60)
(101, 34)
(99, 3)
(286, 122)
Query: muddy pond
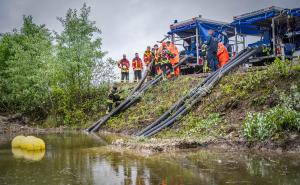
(79, 158)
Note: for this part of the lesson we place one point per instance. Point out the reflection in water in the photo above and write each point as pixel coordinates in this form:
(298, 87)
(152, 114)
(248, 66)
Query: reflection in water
(81, 159)
(35, 155)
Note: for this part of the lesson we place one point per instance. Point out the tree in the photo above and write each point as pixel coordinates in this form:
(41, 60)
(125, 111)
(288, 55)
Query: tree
(78, 66)
(24, 56)
(63, 77)
(78, 49)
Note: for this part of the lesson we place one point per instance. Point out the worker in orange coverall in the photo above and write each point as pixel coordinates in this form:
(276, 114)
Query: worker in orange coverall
(173, 49)
(222, 54)
(157, 62)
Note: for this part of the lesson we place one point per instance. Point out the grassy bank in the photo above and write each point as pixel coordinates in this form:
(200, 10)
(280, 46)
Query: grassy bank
(154, 102)
(247, 105)
(256, 105)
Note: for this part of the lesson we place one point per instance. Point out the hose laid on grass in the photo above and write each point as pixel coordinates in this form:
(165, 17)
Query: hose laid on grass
(185, 108)
(189, 95)
(204, 90)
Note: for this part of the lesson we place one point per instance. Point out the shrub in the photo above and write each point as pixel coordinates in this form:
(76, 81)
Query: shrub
(279, 68)
(264, 125)
(71, 109)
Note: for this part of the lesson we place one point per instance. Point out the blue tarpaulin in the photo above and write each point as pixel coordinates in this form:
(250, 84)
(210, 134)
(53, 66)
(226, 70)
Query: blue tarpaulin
(248, 24)
(188, 28)
(258, 23)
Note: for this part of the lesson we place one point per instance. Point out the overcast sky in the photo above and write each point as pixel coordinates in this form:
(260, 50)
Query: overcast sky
(130, 25)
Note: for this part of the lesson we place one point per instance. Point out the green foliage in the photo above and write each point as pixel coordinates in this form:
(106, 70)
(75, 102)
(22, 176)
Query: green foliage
(79, 66)
(291, 100)
(279, 68)
(69, 112)
(78, 49)
(296, 68)
(285, 116)
(63, 77)
(24, 56)
(264, 125)
(153, 104)
(241, 85)
(196, 126)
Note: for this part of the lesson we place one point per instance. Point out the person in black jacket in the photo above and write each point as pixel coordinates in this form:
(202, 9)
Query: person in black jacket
(212, 49)
(113, 99)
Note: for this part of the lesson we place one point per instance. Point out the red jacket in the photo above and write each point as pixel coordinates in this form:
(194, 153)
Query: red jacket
(137, 64)
(147, 57)
(124, 65)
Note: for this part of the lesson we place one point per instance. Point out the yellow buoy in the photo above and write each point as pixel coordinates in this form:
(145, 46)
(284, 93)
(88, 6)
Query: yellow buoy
(28, 143)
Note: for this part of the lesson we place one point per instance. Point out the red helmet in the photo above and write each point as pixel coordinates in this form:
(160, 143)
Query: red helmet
(163, 44)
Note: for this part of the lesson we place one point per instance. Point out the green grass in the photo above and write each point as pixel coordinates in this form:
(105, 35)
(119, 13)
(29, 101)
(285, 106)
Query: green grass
(154, 102)
(225, 109)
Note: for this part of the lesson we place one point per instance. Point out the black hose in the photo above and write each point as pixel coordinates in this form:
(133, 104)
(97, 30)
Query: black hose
(196, 97)
(184, 110)
(189, 95)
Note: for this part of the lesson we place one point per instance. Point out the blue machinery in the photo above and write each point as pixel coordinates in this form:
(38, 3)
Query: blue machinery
(278, 29)
(193, 33)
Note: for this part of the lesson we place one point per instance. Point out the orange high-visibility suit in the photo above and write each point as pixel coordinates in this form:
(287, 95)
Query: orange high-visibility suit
(222, 54)
(173, 49)
(147, 57)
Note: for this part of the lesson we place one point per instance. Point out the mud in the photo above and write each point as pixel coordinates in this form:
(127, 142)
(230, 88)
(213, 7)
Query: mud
(154, 145)
(17, 124)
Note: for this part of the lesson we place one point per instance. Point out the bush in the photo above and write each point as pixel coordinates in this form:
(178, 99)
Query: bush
(279, 68)
(78, 107)
(264, 125)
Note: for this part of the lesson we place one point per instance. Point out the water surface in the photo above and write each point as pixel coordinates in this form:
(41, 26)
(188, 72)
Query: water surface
(78, 158)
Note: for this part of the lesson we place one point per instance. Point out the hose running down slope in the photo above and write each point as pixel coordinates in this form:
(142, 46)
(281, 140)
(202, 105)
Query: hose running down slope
(184, 104)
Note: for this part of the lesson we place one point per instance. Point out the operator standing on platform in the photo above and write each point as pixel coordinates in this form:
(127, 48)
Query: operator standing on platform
(212, 49)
